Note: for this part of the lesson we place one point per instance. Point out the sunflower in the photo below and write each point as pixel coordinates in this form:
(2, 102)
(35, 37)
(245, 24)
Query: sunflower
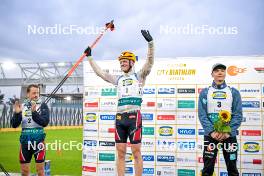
(225, 116)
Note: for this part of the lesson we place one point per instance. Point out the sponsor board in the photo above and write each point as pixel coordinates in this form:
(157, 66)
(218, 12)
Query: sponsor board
(149, 91)
(186, 172)
(166, 158)
(166, 104)
(106, 156)
(165, 131)
(90, 117)
(251, 147)
(108, 104)
(108, 92)
(186, 131)
(89, 156)
(106, 169)
(165, 171)
(186, 104)
(166, 91)
(251, 104)
(186, 117)
(148, 131)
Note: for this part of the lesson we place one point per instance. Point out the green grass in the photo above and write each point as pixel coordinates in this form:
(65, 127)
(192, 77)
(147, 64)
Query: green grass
(66, 162)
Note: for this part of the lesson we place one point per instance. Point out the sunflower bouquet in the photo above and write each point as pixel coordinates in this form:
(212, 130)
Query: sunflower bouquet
(222, 124)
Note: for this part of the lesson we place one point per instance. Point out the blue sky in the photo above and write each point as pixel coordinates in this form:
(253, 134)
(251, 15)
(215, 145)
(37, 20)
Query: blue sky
(245, 17)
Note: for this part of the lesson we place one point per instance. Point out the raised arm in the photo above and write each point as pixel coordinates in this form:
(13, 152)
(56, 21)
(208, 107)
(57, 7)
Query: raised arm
(98, 71)
(145, 70)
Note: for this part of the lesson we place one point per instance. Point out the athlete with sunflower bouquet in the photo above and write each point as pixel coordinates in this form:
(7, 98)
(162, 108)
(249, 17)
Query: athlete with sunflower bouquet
(220, 114)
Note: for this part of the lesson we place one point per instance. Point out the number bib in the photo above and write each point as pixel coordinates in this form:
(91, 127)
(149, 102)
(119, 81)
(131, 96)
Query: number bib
(129, 93)
(217, 100)
(27, 121)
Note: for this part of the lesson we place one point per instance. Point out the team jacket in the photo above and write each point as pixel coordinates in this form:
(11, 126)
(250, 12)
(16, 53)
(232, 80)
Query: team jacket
(32, 123)
(129, 85)
(216, 98)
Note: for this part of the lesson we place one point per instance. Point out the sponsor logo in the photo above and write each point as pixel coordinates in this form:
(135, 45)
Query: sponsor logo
(200, 90)
(259, 69)
(90, 117)
(165, 131)
(89, 156)
(148, 170)
(108, 92)
(147, 116)
(251, 147)
(107, 130)
(165, 143)
(107, 117)
(150, 104)
(149, 91)
(218, 95)
(148, 131)
(106, 170)
(184, 172)
(200, 160)
(91, 104)
(118, 117)
(89, 142)
(128, 82)
(251, 132)
(106, 143)
(90, 129)
(254, 161)
(250, 104)
(166, 117)
(200, 131)
(187, 104)
(129, 170)
(250, 90)
(132, 116)
(148, 157)
(251, 174)
(91, 93)
(165, 158)
(186, 131)
(147, 144)
(166, 90)
(186, 116)
(251, 116)
(108, 104)
(89, 169)
(165, 170)
(223, 174)
(182, 145)
(111, 130)
(129, 157)
(185, 160)
(106, 157)
(167, 104)
(234, 71)
(186, 91)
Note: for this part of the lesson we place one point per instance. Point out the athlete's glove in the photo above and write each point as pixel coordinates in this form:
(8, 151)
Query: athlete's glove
(88, 51)
(146, 35)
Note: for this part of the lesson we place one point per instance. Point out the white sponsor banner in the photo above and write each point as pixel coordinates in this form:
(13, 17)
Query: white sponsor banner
(170, 116)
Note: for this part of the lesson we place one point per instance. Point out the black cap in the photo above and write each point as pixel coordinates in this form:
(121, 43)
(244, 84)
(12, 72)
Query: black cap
(217, 66)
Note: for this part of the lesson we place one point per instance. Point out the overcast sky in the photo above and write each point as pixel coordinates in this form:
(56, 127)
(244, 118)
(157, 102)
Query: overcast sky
(170, 22)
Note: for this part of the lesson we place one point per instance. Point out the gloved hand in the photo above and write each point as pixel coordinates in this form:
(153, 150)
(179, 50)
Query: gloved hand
(88, 51)
(146, 35)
